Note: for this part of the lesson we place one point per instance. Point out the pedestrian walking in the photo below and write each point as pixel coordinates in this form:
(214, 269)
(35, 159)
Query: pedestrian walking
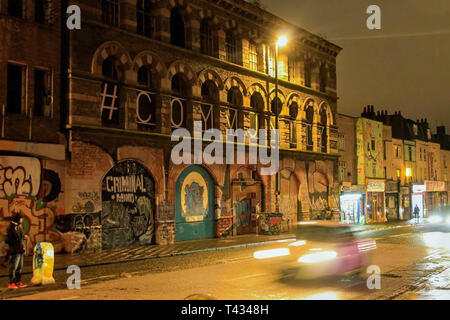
(417, 213)
(14, 239)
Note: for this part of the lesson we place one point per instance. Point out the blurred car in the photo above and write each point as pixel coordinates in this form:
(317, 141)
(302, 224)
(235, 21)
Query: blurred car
(321, 249)
(439, 218)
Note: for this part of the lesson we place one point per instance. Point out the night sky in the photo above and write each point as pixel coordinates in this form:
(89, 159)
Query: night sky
(404, 66)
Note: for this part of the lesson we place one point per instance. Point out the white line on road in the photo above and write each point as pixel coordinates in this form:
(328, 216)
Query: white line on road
(249, 276)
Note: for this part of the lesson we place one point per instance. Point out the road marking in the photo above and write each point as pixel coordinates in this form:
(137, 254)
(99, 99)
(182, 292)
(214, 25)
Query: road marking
(249, 276)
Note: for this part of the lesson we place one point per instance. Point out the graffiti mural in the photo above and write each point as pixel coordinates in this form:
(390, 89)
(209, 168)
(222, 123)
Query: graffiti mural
(19, 176)
(194, 205)
(128, 206)
(195, 199)
(369, 147)
(22, 189)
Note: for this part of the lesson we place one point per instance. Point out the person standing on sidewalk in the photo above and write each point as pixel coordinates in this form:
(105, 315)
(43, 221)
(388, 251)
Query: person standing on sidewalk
(14, 239)
(417, 213)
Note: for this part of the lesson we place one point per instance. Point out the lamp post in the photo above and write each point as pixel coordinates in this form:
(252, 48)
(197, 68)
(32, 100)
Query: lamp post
(281, 42)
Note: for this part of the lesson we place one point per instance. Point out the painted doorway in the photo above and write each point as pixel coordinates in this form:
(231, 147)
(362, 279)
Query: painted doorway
(194, 205)
(128, 206)
(247, 195)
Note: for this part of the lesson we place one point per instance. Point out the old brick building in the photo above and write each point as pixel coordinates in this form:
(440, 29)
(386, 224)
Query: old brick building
(137, 70)
(32, 151)
(140, 69)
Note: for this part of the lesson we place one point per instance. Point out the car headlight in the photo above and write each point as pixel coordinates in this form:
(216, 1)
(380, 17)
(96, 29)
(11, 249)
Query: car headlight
(435, 219)
(267, 254)
(317, 257)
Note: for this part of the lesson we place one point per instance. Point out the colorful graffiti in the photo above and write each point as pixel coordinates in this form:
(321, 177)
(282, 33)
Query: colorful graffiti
(195, 199)
(22, 189)
(19, 176)
(128, 201)
(194, 206)
(369, 147)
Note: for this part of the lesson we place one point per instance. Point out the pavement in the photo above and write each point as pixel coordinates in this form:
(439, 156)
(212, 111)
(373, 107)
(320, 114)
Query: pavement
(122, 255)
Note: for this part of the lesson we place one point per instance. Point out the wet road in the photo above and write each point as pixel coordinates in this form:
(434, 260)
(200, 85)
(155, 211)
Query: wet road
(414, 264)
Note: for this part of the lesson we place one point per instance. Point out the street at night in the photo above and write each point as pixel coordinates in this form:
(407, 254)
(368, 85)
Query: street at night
(273, 152)
(414, 264)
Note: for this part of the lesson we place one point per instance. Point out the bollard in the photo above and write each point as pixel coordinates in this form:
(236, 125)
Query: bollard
(43, 263)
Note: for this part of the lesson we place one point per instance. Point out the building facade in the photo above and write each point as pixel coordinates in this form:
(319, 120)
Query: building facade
(138, 71)
(421, 174)
(32, 148)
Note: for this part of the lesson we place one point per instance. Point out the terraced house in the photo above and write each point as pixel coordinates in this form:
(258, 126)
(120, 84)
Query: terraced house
(138, 70)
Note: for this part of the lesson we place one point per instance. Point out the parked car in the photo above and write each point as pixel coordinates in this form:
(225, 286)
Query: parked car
(321, 249)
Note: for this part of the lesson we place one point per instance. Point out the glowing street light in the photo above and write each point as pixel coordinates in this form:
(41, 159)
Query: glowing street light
(408, 172)
(282, 41)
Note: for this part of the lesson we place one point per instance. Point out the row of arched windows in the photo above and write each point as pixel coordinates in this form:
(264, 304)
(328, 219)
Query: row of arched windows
(211, 106)
(209, 41)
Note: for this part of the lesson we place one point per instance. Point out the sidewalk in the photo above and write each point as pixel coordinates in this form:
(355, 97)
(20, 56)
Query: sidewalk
(112, 256)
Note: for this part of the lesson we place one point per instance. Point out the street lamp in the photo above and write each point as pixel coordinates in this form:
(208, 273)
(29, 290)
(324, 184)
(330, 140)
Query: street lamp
(281, 42)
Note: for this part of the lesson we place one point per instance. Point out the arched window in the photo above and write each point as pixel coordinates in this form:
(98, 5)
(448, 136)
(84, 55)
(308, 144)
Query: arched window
(179, 102)
(309, 126)
(148, 77)
(323, 128)
(293, 113)
(234, 97)
(109, 69)
(257, 104)
(145, 21)
(234, 54)
(39, 11)
(323, 78)
(210, 95)
(235, 101)
(15, 8)
(110, 12)
(177, 31)
(293, 110)
(110, 92)
(208, 38)
(276, 106)
(148, 100)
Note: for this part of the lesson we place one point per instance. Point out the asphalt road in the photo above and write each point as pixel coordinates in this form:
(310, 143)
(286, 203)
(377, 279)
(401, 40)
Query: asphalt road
(414, 264)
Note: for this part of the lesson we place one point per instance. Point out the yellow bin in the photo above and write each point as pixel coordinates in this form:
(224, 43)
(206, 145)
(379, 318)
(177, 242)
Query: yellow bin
(43, 263)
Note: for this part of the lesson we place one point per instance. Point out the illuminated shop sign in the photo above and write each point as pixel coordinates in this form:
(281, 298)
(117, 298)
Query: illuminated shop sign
(376, 186)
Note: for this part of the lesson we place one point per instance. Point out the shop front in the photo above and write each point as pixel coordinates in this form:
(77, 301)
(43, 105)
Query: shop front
(429, 196)
(405, 203)
(375, 205)
(352, 201)
(392, 200)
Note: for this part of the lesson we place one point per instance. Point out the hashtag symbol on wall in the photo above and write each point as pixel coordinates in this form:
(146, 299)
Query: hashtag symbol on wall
(113, 98)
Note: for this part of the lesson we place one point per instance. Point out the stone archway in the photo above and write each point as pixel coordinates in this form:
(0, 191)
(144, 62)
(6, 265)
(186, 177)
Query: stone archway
(128, 206)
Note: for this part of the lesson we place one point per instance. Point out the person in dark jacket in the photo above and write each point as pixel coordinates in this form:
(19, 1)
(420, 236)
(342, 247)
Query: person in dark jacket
(14, 239)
